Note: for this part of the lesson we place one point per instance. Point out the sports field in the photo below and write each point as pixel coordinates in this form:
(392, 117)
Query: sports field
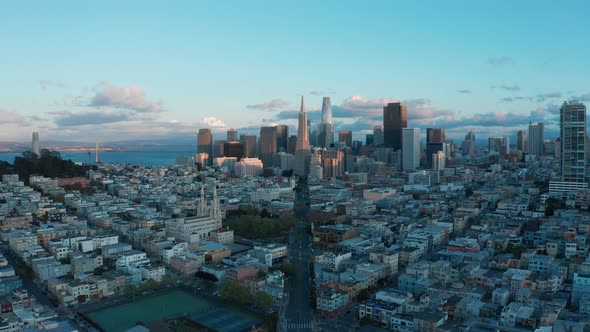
(175, 303)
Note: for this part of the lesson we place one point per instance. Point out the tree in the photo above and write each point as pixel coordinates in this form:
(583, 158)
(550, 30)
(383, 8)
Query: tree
(263, 300)
(151, 283)
(468, 192)
(233, 290)
(552, 204)
(288, 269)
(364, 294)
(264, 213)
(98, 271)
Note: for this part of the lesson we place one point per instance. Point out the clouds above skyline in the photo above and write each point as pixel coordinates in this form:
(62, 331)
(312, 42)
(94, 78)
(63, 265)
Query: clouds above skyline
(89, 117)
(14, 118)
(132, 98)
(129, 110)
(513, 87)
(270, 106)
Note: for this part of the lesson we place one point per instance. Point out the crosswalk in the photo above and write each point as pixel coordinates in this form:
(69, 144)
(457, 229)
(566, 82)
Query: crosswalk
(299, 326)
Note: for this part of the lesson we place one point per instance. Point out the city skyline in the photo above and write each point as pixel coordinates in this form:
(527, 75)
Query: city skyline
(168, 79)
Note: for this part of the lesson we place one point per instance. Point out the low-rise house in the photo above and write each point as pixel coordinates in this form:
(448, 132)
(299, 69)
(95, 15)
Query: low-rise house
(329, 301)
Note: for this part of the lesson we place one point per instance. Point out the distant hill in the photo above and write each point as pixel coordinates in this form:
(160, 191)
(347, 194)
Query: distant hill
(48, 164)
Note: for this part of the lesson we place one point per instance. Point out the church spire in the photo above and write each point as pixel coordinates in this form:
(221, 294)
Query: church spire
(215, 209)
(202, 204)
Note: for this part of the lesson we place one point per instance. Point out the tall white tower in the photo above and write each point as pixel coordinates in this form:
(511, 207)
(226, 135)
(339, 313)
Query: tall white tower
(97, 150)
(36, 149)
(326, 127)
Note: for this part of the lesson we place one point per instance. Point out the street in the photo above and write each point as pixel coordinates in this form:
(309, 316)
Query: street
(298, 315)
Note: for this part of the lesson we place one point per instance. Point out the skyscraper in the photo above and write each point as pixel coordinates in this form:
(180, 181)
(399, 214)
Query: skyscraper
(233, 149)
(249, 142)
(326, 110)
(536, 139)
(572, 125)
(395, 118)
(205, 143)
(232, 135)
(326, 127)
(282, 132)
(369, 139)
(302, 152)
(435, 135)
(521, 140)
(217, 149)
(378, 135)
(411, 149)
(468, 146)
(346, 137)
(35, 147)
(292, 144)
(435, 142)
(495, 144)
(268, 144)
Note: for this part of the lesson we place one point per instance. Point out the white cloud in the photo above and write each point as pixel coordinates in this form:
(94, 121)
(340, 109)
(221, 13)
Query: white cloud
(132, 98)
(270, 106)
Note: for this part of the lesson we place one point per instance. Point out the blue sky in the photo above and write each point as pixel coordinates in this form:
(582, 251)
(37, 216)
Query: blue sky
(139, 69)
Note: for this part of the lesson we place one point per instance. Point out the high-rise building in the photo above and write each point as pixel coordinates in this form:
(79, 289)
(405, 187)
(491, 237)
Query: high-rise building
(282, 138)
(35, 146)
(378, 135)
(499, 145)
(395, 118)
(536, 139)
(572, 125)
(438, 161)
(333, 163)
(248, 167)
(369, 139)
(326, 110)
(249, 142)
(292, 144)
(325, 132)
(218, 148)
(268, 144)
(205, 143)
(233, 149)
(521, 140)
(411, 149)
(435, 135)
(468, 146)
(435, 142)
(302, 151)
(346, 137)
(232, 135)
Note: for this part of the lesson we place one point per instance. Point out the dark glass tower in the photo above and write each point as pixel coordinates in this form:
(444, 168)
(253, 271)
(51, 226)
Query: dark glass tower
(395, 118)
(282, 138)
(205, 142)
(435, 139)
(268, 144)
